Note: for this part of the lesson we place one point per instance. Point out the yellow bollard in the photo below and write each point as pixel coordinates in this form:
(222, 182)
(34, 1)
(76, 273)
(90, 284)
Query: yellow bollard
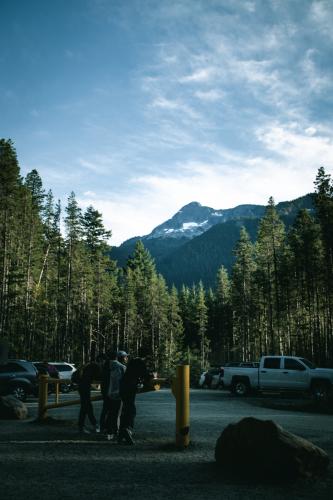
(42, 396)
(182, 392)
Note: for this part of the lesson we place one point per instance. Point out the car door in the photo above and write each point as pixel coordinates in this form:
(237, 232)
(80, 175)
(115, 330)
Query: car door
(295, 374)
(8, 373)
(270, 373)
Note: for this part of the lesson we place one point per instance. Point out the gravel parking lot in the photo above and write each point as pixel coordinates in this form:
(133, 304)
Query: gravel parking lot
(53, 461)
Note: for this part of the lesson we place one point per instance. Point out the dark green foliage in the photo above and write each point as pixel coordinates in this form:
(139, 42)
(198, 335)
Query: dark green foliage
(270, 282)
(188, 261)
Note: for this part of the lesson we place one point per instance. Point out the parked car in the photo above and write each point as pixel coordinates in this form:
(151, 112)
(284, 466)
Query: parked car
(65, 371)
(18, 377)
(57, 369)
(212, 378)
(45, 368)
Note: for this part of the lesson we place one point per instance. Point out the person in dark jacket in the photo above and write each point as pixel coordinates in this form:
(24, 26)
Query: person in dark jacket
(89, 373)
(136, 373)
(112, 374)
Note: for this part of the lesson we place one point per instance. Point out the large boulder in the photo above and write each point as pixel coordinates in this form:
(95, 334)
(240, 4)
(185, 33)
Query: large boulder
(263, 449)
(12, 408)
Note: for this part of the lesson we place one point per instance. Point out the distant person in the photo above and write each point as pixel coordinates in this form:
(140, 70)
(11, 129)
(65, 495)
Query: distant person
(136, 373)
(113, 372)
(208, 379)
(45, 368)
(89, 373)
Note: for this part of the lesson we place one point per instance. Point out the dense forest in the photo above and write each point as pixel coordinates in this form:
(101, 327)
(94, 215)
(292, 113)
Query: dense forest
(63, 298)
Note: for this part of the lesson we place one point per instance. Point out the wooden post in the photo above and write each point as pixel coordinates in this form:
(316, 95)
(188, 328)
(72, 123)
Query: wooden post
(182, 392)
(42, 397)
(57, 385)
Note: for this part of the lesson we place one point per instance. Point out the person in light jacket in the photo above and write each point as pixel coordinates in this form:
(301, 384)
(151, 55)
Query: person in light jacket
(113, 372)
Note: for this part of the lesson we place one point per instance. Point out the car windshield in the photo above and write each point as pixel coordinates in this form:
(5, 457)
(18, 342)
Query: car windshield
(308, 363)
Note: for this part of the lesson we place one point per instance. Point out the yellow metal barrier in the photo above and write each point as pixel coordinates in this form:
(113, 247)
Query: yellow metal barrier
(44, 380)
(181, 390)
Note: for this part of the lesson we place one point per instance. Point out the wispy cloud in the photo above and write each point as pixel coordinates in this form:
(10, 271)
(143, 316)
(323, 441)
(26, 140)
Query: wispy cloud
(202, 75)
(222, 102)
(211, 95)
(315, 78)
(298, 147)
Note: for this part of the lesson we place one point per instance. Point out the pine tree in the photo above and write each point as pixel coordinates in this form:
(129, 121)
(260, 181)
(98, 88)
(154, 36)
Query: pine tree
(307, 263)
(324, 211)
(242, 299)
(173, 343)
(96, 236)
(144, 275)
(77, 287)
(201, 325)
(223, 315)
(10, 190)
(270, 247)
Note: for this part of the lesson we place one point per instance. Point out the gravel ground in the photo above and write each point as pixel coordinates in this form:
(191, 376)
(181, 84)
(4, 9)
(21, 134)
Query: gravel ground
(53, 461)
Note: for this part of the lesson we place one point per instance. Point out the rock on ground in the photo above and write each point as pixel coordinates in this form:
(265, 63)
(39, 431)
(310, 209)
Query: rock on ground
(12, 408)
(261, 448)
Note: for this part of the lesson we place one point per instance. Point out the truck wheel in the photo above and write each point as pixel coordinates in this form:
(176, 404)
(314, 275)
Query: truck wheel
(320, 391)
(240, 388)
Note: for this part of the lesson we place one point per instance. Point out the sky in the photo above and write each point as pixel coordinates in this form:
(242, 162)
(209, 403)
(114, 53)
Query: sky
(142, 106)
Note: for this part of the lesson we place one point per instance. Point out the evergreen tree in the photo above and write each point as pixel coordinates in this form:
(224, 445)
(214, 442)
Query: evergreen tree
(77, 284)
(10, 190)
(324, 210)
(270, 248)
(173, 343)
(201, 325)
(223, 316)
(242, 299)
(144, 276)
(307, 264)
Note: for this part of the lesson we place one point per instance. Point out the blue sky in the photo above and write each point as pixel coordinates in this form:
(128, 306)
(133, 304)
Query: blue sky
(142, 106)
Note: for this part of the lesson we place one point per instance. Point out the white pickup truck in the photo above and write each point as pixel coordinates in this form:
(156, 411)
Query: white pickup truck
(280, 373)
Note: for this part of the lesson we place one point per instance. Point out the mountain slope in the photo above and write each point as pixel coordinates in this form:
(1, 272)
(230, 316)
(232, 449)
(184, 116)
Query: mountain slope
(193, 244)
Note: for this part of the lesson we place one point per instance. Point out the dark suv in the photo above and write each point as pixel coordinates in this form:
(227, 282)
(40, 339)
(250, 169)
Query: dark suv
(18, 377)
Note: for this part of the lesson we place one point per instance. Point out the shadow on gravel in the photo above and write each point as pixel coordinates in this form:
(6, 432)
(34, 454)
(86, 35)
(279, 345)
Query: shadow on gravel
(56, 422)
(295, 404)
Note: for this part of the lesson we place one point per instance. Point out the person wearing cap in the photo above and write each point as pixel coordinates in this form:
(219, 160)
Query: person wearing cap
(113, 372)
(122, 357)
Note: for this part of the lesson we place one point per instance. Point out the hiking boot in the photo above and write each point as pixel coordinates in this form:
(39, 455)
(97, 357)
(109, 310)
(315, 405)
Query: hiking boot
(126, 435)
(84, 430)
(111, 437)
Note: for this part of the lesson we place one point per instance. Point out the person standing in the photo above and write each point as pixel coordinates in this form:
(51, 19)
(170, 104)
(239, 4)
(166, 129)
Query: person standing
(89, 373)
(113, 372)
(136, 373)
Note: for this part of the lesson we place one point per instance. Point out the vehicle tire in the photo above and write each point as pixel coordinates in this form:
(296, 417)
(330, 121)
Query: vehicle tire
(320, 391)
(240, 388)
(19, 392)
(65, 388)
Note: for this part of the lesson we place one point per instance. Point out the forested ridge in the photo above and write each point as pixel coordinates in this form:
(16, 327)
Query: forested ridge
(63, 298)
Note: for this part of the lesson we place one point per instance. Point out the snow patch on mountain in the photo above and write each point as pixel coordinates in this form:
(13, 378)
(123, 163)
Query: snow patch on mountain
(194, 219)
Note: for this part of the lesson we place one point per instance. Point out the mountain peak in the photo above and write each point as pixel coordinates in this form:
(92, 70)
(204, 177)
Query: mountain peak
(190, 206)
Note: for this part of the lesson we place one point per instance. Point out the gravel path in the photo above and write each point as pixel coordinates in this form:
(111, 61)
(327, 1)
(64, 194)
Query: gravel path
(52, 461)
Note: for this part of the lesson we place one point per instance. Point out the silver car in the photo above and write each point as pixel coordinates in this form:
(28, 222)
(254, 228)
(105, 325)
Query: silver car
(65, 371)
